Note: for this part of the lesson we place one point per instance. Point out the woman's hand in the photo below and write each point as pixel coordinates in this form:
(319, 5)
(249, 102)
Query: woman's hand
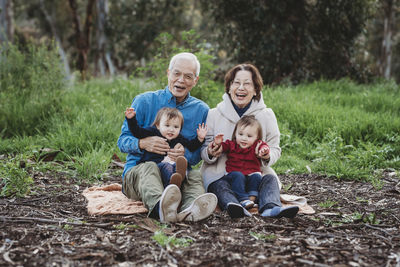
(214, 150)
(262, 150)
(177, 151)
(154, 144)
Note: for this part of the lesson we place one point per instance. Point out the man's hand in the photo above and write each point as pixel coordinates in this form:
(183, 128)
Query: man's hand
(154, 144)
(214, 150)
(201, 132)
(130, 113)
(262, 150)
(177, 151)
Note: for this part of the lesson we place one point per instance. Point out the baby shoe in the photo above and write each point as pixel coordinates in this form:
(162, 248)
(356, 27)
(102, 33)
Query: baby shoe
(279, 212)
(247, 204)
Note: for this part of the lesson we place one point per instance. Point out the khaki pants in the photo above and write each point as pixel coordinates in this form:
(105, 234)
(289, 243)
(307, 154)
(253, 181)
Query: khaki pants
(143, 182)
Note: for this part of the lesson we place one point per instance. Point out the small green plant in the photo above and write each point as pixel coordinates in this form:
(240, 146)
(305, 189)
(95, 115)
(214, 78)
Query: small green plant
(68, 227)
(263, 237)
(15, 180)
(327, 204)
(121, 226)
(362, 200)
(170, 241)
(365, 218)
(286, 187)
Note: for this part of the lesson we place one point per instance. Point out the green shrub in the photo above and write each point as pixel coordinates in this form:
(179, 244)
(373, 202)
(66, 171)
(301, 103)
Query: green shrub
(31, 83)
(14, 179)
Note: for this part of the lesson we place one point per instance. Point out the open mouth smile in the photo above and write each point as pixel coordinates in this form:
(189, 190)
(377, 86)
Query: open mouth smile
(241, 95)
(179, 87)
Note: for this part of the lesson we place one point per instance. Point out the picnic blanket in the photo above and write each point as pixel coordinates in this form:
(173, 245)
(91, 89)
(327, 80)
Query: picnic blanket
(109, 199)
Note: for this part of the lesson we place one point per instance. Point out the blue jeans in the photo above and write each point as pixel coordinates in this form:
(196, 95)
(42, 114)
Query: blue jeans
(166, 170)
(243, 185)
(268, 193)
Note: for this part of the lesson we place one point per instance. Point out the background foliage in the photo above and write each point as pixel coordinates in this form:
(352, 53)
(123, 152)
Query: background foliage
(290, 41)
(337, 128)
(31, 85)
(133, 27)
(310, 52)
(296, 39)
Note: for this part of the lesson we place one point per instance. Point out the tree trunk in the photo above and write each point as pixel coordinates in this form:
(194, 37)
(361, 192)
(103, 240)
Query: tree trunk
(83, 36)
(103, 58)
(6, 21)
(61, 51)
(386, 61)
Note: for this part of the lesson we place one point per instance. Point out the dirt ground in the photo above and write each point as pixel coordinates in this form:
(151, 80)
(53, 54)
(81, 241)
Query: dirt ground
(354, 225)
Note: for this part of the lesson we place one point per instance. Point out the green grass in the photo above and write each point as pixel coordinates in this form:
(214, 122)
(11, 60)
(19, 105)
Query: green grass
(336, 128)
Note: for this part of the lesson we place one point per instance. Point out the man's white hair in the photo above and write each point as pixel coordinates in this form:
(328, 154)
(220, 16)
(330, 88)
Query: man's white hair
(185, 55)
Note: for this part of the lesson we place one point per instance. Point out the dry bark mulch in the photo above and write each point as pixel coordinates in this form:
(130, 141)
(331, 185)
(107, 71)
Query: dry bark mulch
(354, 225)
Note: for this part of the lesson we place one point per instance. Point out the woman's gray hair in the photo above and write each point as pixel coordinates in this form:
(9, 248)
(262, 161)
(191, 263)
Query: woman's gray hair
(185, 55)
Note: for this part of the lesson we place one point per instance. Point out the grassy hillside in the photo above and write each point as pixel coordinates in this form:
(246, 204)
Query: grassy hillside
(336, 128)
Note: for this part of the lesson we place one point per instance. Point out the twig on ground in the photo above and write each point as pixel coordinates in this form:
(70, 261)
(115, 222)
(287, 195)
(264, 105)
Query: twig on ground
(42, 220)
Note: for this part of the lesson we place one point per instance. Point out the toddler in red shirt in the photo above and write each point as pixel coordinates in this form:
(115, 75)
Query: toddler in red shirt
(243, 165)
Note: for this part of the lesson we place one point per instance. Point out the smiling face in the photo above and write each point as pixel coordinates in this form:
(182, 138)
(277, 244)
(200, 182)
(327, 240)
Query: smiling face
(242, 89)
(245, 136)
(182, 78)
(169, 127)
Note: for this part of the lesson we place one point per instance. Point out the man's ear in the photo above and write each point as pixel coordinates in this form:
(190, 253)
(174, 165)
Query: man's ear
(196, 80)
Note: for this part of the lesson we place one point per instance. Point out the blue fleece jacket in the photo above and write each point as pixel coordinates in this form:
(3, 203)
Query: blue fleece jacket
(147, 105)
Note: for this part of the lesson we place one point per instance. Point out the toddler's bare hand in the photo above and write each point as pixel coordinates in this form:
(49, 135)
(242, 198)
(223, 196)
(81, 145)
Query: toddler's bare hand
(177, 151)
(201, 132)
(262, 150)
(130, 113)
(218, 139)
(214, 150)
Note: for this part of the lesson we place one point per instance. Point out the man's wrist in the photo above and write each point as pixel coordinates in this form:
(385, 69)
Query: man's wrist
(140, 144)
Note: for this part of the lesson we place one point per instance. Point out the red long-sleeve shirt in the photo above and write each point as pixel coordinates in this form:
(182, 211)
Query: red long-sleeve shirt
(240, 159)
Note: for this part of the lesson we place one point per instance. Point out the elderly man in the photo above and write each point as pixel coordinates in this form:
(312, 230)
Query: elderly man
(143, 181)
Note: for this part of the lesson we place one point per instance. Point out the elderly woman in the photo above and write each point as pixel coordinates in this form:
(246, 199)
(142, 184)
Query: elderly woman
(243, 85)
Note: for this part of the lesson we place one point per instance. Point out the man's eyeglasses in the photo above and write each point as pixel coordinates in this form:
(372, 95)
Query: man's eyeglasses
(188, 77)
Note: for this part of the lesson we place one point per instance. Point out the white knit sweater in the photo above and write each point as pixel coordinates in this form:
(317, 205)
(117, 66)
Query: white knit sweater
(222, 119)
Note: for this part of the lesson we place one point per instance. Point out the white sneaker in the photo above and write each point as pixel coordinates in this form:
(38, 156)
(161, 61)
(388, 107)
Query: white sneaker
(169, 203)
(202, 207)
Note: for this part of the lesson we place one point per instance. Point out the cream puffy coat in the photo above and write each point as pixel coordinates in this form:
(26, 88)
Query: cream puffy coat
(223, 119)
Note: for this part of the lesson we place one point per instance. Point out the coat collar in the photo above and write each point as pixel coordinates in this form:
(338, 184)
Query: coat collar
(227, 110)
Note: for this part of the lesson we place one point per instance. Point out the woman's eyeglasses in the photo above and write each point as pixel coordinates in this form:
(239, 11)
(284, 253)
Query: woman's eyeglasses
(237, 84)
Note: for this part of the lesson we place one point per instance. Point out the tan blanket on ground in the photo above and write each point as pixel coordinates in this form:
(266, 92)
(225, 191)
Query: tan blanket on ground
(109, 199)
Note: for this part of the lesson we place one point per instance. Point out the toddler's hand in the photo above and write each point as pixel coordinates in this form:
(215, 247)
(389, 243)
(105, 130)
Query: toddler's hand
(201, 132)
(130, 113)
(218, 139)
(262, 149)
